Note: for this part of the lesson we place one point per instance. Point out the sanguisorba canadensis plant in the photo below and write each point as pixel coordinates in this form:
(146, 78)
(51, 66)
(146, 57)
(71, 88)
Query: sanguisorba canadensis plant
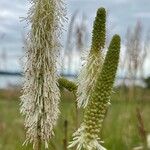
(92, 67)
(40, 99)
(88, 135)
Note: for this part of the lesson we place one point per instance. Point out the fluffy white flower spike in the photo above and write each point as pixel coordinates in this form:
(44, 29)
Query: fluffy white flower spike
(94, 61)
(40, 99)
(82, 140)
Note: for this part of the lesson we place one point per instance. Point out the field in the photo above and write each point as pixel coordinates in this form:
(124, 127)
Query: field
(120, 130)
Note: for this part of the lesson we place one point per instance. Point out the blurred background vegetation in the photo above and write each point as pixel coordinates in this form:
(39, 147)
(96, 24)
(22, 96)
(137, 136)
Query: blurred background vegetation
(126, 126)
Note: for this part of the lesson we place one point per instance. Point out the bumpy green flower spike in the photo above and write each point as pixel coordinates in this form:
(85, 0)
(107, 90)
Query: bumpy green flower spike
(93, 64)
(69, 85)
(88, 135)
(99, 31)
(100, 98)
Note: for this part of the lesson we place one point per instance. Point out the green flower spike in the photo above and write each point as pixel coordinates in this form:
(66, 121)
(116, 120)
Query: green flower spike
(88, 135)
(93, 64)
(69, 85)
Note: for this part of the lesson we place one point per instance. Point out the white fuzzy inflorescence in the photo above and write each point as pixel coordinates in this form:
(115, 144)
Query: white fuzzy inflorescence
(87, 78)
(81, 139)
(40, 99)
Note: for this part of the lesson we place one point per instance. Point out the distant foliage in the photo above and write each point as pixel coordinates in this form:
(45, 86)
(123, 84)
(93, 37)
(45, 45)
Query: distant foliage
(147, 82)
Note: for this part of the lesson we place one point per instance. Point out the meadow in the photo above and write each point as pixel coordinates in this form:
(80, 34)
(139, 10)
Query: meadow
(120, 129)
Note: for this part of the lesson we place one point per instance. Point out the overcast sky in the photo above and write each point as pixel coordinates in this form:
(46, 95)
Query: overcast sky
(122, 13)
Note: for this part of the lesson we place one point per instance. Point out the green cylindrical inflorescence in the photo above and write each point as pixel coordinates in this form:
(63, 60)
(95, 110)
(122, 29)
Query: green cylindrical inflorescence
(99, 31)
(88, 135)
(99, 99)
(69, 85)
(93, 64)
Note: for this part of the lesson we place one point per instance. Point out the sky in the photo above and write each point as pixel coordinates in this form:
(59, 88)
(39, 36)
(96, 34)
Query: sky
(122, 14)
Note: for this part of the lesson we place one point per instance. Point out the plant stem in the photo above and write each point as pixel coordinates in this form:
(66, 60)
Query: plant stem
(66, 134)
(77, 112)
(38, 142)
(38, 145)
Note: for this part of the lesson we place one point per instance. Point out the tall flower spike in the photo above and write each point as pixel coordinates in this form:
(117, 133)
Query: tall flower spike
(40, 99)
(93, 64)
(88, 135)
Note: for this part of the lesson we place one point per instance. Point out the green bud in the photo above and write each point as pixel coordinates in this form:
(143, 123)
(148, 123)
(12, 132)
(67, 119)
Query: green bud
(99, 31)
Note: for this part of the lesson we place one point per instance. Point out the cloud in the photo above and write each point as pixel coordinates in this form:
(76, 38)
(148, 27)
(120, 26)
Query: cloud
(145, 15)
(122, 14)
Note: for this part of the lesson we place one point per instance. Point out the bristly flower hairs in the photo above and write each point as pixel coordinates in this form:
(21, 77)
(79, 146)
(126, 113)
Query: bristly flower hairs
(41, 96)
(92, 67)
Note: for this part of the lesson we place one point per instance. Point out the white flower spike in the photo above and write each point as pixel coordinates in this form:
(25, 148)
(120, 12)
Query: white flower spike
(40, 99)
